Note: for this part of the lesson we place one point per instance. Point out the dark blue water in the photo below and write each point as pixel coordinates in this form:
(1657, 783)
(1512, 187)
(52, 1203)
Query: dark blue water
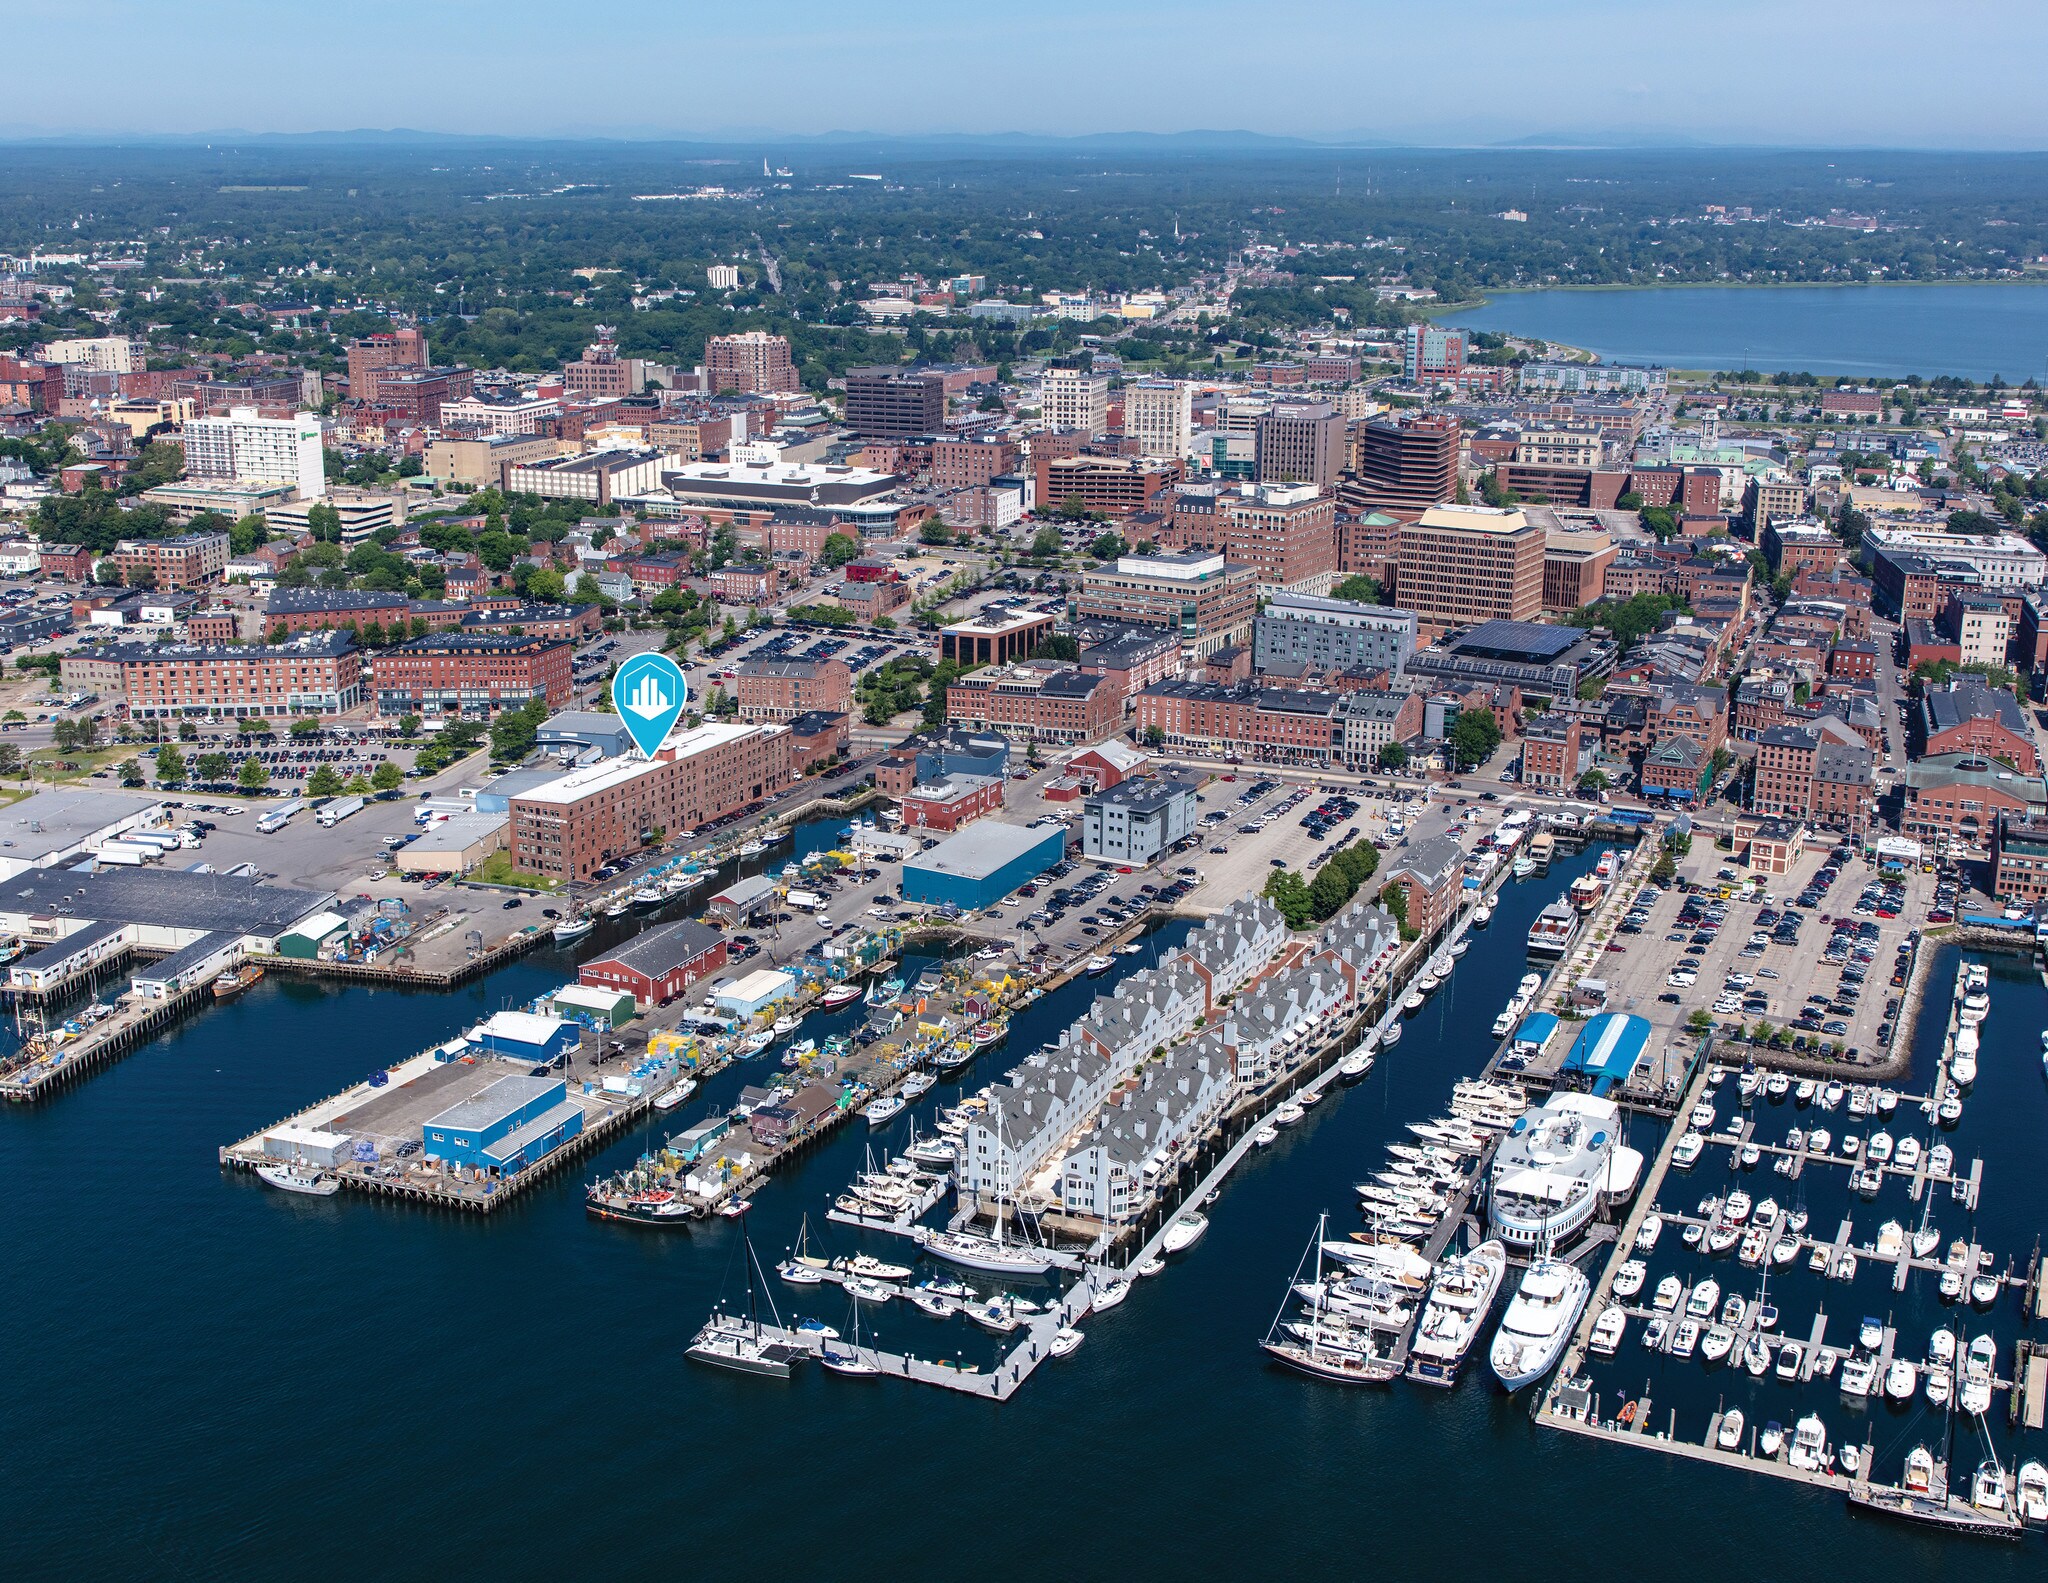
(2003, 1121)
(205, 1376)
(1973, 330)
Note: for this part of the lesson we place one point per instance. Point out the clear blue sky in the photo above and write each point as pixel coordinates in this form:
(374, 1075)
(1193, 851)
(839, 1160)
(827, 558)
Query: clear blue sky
(1924, 73)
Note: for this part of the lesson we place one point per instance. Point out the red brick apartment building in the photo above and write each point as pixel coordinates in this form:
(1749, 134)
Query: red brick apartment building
(182, 562)
(568, 828)
(1286, 533)
(1271, 725)
(784, 689)
(319, 674)
(1551, 749)
(1037, 702)
(1808, 772)
(455, 673)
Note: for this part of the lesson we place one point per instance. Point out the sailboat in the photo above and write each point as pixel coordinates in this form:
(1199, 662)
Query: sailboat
(849, 1361)
(1317, 1356)
(729, 1342)
(1988, 1511)
(972, 1251)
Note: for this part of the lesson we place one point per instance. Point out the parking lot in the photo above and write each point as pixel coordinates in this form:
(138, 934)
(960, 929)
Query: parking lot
(1815, 955)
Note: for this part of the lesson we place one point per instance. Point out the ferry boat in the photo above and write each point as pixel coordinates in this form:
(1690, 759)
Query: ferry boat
(574, 928)
(1458, 1301)
(1538, 1322)
(1551, 934)
(229, 985)
(1542, 847)
(1585, 892)
(1555, 1170)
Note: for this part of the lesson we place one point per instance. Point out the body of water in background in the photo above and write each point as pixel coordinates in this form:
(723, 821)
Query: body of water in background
(206, 1377)
(1972, 330)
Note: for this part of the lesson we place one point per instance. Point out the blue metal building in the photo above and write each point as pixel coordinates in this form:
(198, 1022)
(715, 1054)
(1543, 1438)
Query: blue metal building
(981, 865)
(508, 1125)
(523, 1036)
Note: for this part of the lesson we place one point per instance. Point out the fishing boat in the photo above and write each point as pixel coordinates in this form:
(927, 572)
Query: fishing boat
(675, 1094)
(619, 908)
(984, 1034)
(751, 848)
(1096, 966)
(885, 1110)
(231, 984)
(574, 928)
(839, 995)
(294, 1177)
(648, 896)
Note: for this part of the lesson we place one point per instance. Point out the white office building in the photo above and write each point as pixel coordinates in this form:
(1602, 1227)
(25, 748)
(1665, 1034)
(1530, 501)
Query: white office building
(1159, 415)
(103, 354)
(249, 449)
(1068, 398)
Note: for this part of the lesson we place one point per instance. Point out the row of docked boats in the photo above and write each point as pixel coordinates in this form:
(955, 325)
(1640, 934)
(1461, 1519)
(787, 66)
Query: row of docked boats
(1518, 1005)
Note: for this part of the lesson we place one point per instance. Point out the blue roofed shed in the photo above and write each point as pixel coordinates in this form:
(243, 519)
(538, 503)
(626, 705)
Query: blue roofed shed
(1608, 1048)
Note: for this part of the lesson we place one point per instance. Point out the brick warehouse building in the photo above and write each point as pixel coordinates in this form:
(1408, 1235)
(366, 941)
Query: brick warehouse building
(784, 689)
(452, 673)
(569, 827)
(317, 674)
(1040, 702)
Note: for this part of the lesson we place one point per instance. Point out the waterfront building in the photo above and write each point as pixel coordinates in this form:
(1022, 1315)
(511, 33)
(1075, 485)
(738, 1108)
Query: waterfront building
(659, 964)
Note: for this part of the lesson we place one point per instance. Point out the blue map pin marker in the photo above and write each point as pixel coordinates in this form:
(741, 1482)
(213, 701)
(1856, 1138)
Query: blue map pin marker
(648, 692)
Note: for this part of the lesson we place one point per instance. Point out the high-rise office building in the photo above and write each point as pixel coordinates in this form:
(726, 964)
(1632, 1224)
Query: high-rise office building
(403, 348)
(1465, 564)
(1403, 466)
(1301, 442)
(751, 361)
(1159, 416)
(254, 450)
(894, 403)
(1071, 398)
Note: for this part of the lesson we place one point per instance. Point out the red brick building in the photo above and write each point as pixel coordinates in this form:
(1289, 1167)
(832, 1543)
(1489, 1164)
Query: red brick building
(317, 674)
(1965, 716)
(1853, 659)
(817, 738)
(952, 802)
(1553, 747)
(784, 689)
(70, 563)
(454, 673)
(743, 585)
(1038, 701)
(1957, 799)
(163, 564)
(1115, 486)
(1271, 725)
(569, 827)
(1812, 772)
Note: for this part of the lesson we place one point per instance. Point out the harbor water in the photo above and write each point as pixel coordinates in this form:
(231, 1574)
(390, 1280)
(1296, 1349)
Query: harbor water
(208, 1377)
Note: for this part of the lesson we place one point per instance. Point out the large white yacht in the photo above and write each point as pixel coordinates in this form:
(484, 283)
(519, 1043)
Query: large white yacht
(1456, 1308)
(1538, 1322)
(1556, 1168)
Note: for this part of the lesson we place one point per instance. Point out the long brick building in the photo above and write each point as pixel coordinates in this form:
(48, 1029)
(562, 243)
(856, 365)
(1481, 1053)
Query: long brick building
(1037, 701)
(456, 673)
(317, 674)
(568, 828)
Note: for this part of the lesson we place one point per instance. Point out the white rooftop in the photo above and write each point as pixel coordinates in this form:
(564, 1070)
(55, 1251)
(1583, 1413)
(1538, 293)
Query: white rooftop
(578, 784)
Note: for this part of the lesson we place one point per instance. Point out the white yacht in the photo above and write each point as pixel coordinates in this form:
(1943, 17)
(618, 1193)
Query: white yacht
(972, 1252)
(1648, 1232)
(1628, 1279)
(1809, 1449)
(1608, 1330)
(1458, 1301)
(1184, 1233)
(1532, 1335)
(1556, 1168)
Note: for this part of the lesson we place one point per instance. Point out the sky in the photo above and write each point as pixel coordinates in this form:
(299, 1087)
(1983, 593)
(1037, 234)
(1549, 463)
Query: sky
(1924, 74)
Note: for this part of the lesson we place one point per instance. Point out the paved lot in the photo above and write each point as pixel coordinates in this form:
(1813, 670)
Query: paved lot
(1783, 975)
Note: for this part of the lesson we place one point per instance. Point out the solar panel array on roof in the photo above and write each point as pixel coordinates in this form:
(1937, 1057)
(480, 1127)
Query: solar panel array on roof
(1517, 640)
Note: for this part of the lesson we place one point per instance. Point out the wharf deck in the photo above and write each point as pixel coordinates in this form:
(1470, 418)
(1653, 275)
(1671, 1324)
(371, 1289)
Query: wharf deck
(100, 1046)
(1591, 1426)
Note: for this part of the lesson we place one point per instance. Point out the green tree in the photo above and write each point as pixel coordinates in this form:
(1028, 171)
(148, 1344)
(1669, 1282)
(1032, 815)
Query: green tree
(513, 732)
(130, 771)
(187, 731)
(1394, 756)
(387, 777)
(934, 532)
(1108, 546)
(839, 548)
(1664, 870)
(408, 725)
(324, 523)
(213, 768)
(1155, 736)
(11, 762)
(1474, 737)
(1045, 543)
(170, 765)
(1290, 893)
(1358, 588)
(323, 782)
(304, 728)
(252, 776)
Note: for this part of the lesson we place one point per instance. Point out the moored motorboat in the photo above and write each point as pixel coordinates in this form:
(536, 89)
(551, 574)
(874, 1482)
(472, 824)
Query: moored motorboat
(294, 1177)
